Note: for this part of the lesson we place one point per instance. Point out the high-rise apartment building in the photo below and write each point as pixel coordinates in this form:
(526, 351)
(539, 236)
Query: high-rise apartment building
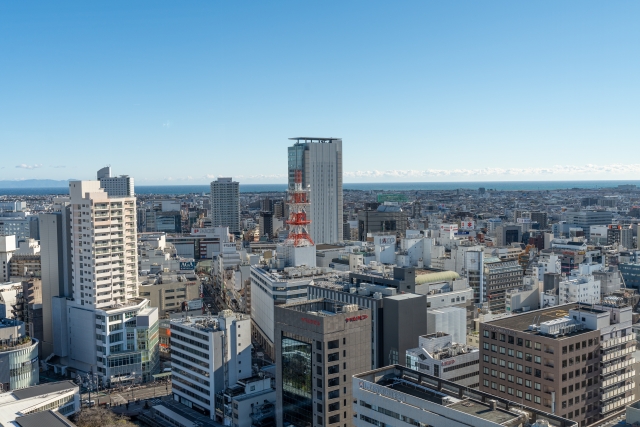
(115, 186)
(320, 345)
(103, 246)
(101, 326)
(573, 360)
(618, 235)
(225, 204)
(320, 160)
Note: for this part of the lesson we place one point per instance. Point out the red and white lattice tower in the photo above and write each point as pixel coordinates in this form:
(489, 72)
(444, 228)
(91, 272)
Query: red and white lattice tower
(298, 205)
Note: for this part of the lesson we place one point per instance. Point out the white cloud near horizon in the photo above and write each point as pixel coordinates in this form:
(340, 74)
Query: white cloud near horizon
(25, 166)
(613, 169)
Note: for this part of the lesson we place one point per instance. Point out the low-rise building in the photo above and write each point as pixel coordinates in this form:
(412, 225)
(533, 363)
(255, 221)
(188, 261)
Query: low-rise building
(249, 399)
(18, 356)
(438, 355)
(40, 405)
(396, 395)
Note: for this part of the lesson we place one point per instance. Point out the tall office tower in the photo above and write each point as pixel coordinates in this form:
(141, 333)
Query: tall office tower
(585, 219)
(320, 344)
(115, 186)
(225, 204)
(55, 253)
(541, 218)
(320, 160)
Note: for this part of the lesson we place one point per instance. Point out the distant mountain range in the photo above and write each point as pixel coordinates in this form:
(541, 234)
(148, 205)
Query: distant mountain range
(35, 183)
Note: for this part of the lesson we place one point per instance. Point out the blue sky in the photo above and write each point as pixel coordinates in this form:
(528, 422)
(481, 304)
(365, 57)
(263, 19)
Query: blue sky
(181, 92)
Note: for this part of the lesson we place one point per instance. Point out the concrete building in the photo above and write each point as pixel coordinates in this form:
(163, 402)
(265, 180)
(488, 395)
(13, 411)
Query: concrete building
(115, 186)
(400, 312)
(208, 355)
(320, 160)
(18, 356)
(320, 345)
(270, 289)
(55, 259)
(617, 235)
(541, 218)
(7, 249)
(439, 355)
(251, 400)
(631, 274)
(225, 204)
(103, 246)
(585, 219)
(490, 278)
(574, 360)
(507, 234)
(386, 218)
(396, 395)
(169, 291)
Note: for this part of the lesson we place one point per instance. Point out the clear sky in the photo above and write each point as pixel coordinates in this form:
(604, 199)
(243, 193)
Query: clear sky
(181, 92)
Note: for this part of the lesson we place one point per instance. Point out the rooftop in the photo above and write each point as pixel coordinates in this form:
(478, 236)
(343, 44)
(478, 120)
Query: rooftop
(39, 390)
(44, 418)
(435, 392)
(521, 322)
(322, 307)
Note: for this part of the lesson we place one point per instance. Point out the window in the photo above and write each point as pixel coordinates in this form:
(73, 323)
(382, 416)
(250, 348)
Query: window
(519, 354)
(536, 399)
(537, 359)
(510, 390)
(333, 344)
(510, 352)
(518, 393)
(485, 333)
(527, 396)
(527, 383)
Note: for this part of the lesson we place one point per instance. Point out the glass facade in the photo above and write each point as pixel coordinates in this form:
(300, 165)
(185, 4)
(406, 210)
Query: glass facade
(297, 384)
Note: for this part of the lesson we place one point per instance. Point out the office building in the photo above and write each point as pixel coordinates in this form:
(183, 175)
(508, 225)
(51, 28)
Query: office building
(225, 204)
(320, 345)
(115, 186)
(320, 160)
(618, 235)
(574, 360)
(541, 218)
(208, 355)
(507, 234)
(396, 395)
(18, 356)
(630, 274)
(490, 278)
(387, 218)
(439, 355)
(405, 319)
(585, 219)
(13, 206)
(265, 224)
(272, 288)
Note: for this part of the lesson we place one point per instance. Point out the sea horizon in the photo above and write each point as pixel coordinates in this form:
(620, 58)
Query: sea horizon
(362, 186)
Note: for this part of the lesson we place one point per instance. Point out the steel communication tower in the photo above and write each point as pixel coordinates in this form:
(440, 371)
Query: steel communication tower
(298, 201)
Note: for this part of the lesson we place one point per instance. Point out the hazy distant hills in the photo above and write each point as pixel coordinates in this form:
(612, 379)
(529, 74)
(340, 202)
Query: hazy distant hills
(35, 183)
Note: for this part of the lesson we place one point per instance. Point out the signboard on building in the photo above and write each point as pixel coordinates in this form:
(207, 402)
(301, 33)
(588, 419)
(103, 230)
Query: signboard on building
(228, 248)
(187, 265)
(384, 240)
(467, 225)
(449, 227)
(524, 220)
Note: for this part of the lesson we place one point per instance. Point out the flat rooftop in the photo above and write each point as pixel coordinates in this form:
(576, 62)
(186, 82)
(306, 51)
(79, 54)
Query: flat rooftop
(521, 322)
(433, 390)
(321, 307)
(38, 390)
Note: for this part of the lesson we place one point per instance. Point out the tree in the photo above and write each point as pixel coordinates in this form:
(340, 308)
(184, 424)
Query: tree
(101, 417)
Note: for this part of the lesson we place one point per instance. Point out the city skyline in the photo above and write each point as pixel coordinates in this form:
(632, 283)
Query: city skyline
(466, 103)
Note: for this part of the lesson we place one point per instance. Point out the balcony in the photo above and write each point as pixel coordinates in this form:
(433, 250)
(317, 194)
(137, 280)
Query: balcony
(615, 341)
(616, 366)
(617, 404)
(616, 354)
(618, 390)
(617, 378)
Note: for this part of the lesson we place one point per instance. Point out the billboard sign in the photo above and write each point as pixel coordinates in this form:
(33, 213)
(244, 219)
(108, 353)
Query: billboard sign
(187, 265)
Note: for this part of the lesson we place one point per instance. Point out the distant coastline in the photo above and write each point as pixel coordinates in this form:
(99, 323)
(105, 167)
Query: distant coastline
(60, 187)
